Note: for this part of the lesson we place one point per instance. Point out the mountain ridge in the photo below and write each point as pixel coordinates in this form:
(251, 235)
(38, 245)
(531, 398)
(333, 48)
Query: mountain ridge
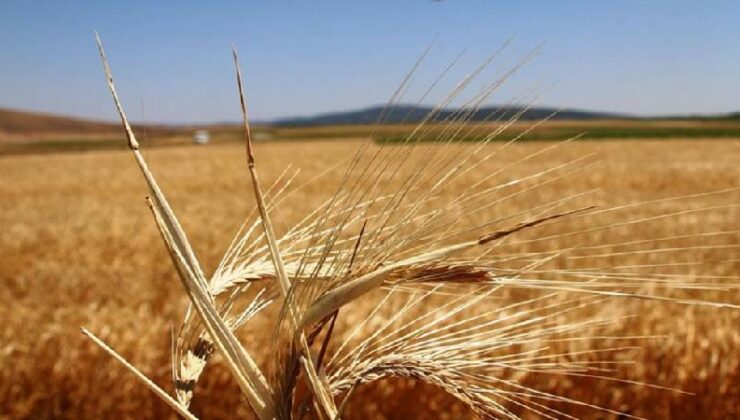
(22, 123)
(416, 113)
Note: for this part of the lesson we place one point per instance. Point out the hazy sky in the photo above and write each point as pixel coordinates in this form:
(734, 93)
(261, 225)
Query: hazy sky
(307, 57)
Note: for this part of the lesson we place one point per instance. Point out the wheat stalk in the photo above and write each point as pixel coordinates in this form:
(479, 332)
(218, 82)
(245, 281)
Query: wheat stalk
(318, 388)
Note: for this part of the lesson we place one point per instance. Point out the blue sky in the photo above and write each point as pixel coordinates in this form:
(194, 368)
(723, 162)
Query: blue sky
(308, 57)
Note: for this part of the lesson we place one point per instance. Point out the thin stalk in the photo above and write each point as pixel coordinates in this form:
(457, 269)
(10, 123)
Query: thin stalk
(319, 389)
(179, 408)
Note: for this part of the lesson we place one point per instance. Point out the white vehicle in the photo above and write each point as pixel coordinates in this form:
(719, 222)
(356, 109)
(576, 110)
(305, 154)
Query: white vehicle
(201, 137)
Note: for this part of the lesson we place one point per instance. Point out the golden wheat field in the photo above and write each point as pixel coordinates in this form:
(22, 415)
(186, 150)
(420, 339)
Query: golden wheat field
(78, 248)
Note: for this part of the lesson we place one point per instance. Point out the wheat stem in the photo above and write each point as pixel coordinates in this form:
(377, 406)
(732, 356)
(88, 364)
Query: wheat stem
(319, 389)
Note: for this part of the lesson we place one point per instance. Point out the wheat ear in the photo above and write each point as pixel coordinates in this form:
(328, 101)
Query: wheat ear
(341, 295)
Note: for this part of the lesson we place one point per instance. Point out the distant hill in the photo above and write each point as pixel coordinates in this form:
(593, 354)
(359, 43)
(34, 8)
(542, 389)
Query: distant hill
(26, 131)
(15, 122)
(27, 124)
(732, 116)
(34, 132)
(414, 114)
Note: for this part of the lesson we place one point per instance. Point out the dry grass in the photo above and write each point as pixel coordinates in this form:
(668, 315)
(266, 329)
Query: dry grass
(78, 248)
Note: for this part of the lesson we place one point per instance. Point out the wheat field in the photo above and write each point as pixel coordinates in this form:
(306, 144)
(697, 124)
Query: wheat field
(78, 248)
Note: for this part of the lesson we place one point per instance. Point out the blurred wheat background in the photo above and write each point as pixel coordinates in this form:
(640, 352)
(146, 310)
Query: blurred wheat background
(79, 249)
